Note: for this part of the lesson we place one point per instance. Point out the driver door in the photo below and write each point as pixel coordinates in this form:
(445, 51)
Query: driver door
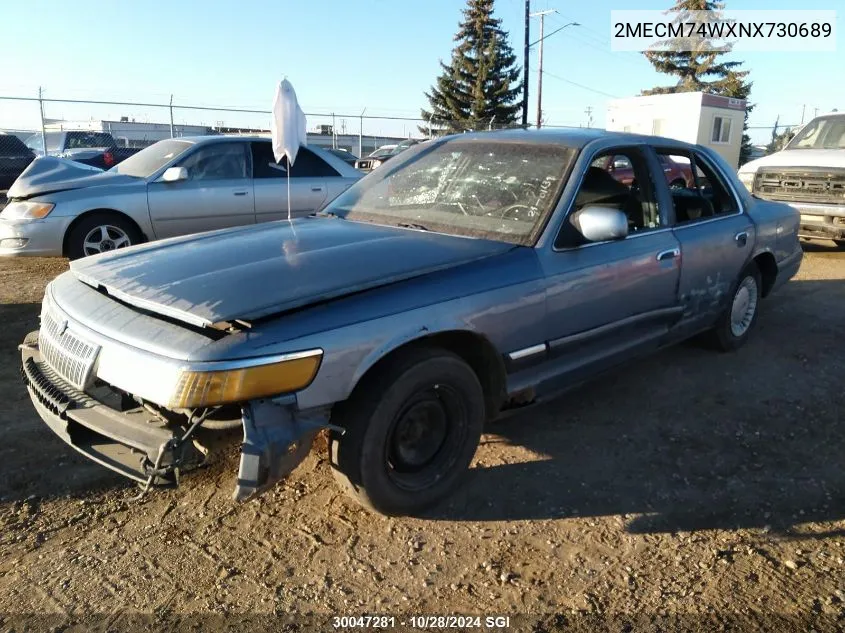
(216, 195)
(611, 300)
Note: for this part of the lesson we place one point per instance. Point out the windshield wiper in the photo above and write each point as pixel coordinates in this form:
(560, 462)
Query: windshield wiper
(411, 225)
(326, 214)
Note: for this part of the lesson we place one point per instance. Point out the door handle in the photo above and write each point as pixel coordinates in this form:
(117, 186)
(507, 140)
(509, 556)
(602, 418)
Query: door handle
(316, 188)
(240, 193)
(672, 253)
(741, 238)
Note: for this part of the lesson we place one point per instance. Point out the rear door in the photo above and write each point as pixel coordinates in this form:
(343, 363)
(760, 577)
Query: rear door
(308, 183)
(216, 195)
(716, 238)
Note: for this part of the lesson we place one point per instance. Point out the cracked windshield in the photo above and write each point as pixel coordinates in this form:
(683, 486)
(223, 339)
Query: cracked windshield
(472, 188)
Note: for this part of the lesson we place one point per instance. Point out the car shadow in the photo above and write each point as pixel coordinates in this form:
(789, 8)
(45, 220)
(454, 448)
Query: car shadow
(688, 439)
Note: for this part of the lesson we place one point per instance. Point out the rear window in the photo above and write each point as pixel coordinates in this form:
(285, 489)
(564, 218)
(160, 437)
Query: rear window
(11, 145)
(77, 140)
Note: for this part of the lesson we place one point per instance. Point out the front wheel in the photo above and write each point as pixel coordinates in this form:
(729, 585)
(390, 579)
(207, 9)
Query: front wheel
(411, 430)
(101, 233)
(734, 326)
(839, 243)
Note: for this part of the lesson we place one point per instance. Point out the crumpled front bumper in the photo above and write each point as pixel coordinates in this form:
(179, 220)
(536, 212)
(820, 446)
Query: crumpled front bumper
(135, 443)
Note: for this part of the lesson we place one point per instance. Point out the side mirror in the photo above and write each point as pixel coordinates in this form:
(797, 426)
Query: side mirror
(174, 174)
(600, 224)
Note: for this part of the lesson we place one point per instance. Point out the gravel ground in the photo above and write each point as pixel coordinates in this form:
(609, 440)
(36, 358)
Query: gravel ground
(688, 491)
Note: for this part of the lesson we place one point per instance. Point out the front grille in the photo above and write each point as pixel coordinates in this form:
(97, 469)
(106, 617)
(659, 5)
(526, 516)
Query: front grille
(825, 185)
(69, 355)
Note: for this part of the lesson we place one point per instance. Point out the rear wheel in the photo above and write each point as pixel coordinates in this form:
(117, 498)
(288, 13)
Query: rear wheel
(101, 233)
(412, 429)
(734, 326)
(840, 243)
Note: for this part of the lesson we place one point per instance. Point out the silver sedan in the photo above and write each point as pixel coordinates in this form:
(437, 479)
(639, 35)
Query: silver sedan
(175, 187)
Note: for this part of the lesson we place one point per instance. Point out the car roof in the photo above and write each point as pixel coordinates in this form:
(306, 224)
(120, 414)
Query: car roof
(576, 137)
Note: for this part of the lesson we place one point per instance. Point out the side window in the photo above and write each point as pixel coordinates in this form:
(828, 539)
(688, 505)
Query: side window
(697, 191)
(620, 179)
(306, 165)
(220, 161)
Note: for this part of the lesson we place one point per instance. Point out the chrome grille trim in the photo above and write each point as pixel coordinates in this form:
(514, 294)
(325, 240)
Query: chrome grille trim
(69, 355)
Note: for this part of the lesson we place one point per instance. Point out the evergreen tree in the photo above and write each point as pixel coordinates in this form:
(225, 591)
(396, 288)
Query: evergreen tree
(480, 87)
(703, 69)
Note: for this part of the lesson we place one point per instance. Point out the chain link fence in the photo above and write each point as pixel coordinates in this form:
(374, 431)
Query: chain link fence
(125, 124)
(39, 120)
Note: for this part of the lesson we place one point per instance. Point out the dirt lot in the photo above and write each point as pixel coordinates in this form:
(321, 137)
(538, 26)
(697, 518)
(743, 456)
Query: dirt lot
(684, 492)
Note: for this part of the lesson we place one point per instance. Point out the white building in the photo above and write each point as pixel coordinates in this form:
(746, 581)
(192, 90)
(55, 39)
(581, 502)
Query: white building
(129, 133)
(694, 117)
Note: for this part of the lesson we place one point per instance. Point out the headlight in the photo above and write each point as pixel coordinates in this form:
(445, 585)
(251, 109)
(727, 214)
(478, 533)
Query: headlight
(375, 164)
(747, 179)
(27, 210)
(236, 381)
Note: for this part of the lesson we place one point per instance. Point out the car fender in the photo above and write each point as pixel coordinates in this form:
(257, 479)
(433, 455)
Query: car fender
(401, 339)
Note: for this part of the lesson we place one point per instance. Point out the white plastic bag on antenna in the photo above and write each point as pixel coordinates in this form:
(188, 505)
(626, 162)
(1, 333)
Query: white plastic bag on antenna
(287, 123)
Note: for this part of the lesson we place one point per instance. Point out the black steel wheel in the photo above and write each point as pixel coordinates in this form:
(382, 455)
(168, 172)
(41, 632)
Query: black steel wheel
(411, 430)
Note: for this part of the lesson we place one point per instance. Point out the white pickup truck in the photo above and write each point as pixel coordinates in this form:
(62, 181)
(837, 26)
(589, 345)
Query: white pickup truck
(808, 174)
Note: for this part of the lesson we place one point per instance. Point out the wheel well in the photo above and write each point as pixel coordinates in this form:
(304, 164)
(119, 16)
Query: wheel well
(768, 268)
(479, 353)
(88, 214)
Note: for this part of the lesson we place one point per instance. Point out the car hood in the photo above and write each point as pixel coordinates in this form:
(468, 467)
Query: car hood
(256, 271)
(798, 158)
(49, 174)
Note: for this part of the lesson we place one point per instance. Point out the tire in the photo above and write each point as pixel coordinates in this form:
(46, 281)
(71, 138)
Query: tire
(839, 243)
(735, 324)
(384, 459)
(110, 230)
(678, 183)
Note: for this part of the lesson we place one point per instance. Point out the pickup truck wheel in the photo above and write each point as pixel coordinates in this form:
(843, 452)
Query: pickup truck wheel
(839, 243)
(411, 432)
(100, 233)
(734, 326)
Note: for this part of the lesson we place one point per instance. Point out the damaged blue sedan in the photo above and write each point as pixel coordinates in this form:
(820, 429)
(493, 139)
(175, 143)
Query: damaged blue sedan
(470, 275)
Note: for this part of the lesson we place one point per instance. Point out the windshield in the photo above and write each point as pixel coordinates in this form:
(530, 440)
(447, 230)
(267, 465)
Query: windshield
(150, 159)
(402, 147)
(501, 190)
(822, 133)
(382, 151)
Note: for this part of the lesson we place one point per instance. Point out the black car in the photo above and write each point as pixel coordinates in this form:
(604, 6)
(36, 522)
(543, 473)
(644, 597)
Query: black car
(345, 155)
(372, 161)
(15, 156)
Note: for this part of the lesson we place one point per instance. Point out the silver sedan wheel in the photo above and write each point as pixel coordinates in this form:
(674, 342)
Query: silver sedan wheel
(102, 239)
(744, 306)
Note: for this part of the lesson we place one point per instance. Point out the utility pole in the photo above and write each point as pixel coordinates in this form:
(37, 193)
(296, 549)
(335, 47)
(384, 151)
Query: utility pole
(803, 107)
(525, 57)
(542, 15)
(361, 134)
(171, 116)
(589, 113)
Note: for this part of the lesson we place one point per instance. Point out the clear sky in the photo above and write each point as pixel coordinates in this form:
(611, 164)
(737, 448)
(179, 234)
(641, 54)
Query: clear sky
(343, 56)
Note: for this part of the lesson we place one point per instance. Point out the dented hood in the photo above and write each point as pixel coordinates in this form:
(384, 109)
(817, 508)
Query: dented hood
(49, 174)
(256, 271)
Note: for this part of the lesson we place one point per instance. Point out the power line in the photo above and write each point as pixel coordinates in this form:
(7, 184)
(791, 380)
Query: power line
(582, 86)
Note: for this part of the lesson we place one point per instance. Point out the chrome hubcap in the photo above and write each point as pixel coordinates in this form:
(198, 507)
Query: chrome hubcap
(102, 239)
(744, 306)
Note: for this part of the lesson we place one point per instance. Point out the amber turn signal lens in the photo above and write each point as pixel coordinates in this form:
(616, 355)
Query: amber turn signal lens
(209, 388)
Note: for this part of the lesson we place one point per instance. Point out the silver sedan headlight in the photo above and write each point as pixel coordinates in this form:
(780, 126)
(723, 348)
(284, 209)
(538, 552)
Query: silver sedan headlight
(26, 210)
